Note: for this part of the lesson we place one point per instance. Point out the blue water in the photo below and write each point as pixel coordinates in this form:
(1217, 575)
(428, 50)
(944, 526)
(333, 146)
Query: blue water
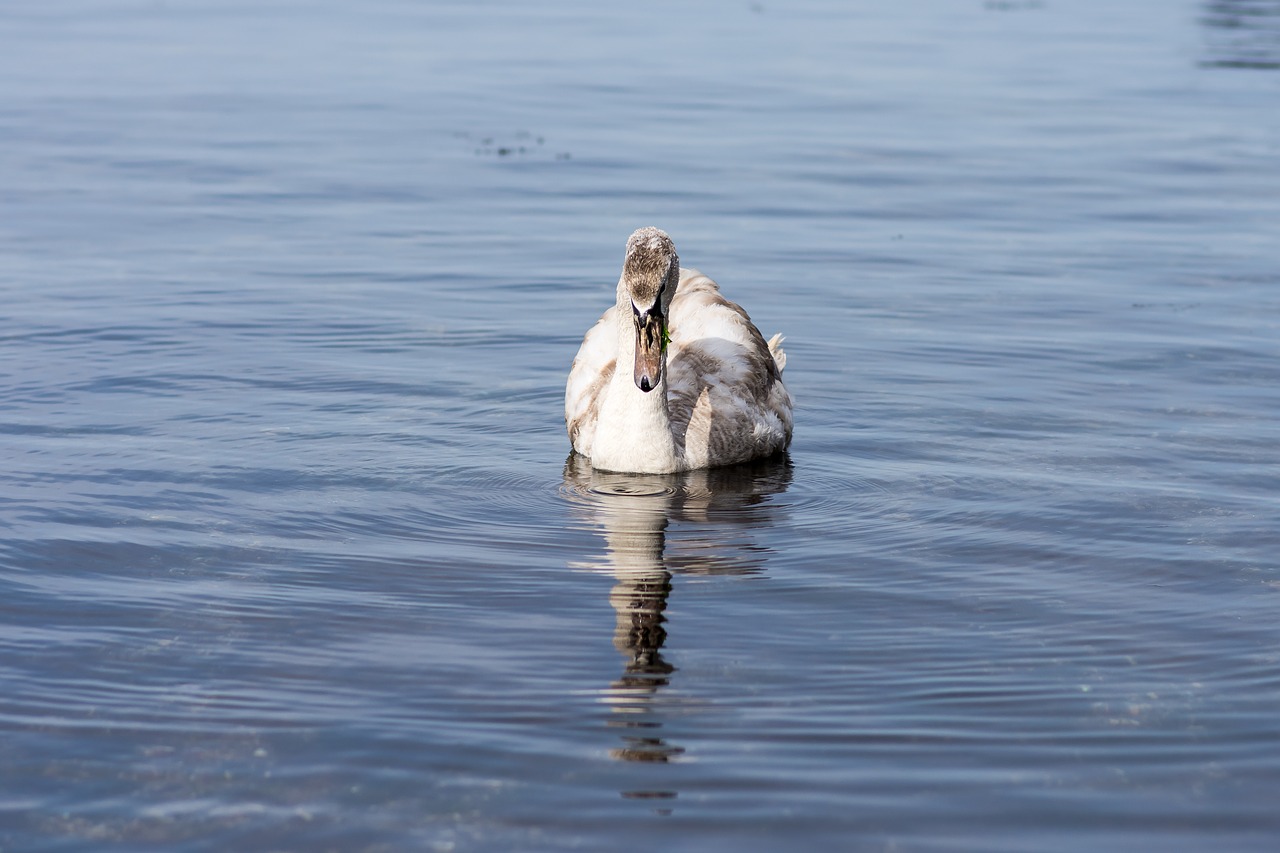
(293, 555)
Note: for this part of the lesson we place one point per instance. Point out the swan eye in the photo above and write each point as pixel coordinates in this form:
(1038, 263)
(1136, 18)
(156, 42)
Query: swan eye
(655, 310)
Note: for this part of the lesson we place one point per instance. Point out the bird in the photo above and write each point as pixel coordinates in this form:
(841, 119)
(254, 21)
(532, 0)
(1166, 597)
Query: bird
(674, 377)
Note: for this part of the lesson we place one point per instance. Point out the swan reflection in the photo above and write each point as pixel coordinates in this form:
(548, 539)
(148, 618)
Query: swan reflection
(654, 526)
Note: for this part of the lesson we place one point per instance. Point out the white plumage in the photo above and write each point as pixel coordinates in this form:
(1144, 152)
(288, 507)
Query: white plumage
(674, 376)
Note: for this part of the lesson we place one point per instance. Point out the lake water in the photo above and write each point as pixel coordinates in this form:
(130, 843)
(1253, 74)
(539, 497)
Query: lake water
(292, 552)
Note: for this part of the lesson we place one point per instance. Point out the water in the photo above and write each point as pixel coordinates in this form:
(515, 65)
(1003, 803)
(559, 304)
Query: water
(292, 554)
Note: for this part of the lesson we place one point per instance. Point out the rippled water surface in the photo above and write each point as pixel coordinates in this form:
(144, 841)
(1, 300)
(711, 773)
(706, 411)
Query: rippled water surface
(292, 552)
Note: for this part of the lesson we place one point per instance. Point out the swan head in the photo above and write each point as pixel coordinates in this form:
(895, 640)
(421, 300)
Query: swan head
(650, 273)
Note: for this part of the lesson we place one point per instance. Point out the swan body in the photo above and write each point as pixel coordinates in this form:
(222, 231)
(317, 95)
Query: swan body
(674, 377)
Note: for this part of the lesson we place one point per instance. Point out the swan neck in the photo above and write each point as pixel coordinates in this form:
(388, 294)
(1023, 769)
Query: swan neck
(634, 431)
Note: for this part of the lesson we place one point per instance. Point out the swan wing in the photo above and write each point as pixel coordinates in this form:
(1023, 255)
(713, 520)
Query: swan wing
(591, 372)
(725, 394)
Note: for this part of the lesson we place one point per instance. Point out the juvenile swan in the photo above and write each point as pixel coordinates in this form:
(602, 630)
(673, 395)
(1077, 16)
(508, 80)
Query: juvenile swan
(674, 376)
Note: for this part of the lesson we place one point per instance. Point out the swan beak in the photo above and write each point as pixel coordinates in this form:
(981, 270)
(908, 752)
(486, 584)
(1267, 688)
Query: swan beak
(651, 328)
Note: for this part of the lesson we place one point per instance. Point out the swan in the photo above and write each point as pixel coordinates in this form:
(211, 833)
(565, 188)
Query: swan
(674, 377)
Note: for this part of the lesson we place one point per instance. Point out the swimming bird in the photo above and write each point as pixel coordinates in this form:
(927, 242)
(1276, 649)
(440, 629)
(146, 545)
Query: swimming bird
(674, 377)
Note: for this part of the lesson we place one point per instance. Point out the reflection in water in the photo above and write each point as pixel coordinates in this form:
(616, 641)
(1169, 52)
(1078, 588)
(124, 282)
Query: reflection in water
(720, 507)
(1242, 33)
